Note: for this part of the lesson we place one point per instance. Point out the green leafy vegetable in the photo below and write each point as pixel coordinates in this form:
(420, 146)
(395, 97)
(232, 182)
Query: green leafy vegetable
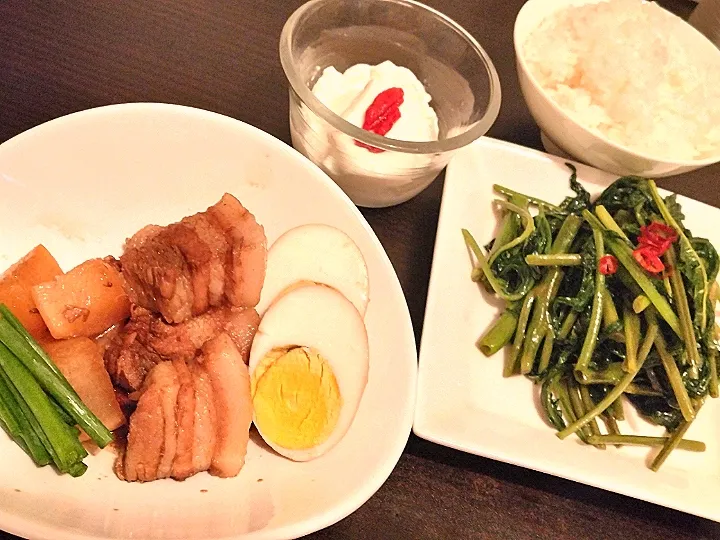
(591, 337)
(581, 201)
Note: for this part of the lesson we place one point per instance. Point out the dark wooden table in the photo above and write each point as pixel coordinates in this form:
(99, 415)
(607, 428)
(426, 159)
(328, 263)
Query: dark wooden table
(67, 55)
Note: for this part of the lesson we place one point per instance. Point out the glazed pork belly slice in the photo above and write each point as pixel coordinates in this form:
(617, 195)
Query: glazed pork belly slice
(170, 269)
(204, 436)
(127, 358)
(245, 270)
(152, 435)
(230, 384)
(182, 465)
(146, 340)
(198, 257)
(241, 324)
(185, 268)
(219, 249)
(191, 417)
(157, 275)
(185, 339)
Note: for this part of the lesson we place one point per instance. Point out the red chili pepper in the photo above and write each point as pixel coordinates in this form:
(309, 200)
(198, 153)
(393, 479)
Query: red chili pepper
(649, 258)
(382, 114)
(654, 240)
(608, 265)
(657, 235)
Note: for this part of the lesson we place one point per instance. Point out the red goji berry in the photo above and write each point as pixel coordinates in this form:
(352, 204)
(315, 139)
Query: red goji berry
(608, 265)
(382, 114)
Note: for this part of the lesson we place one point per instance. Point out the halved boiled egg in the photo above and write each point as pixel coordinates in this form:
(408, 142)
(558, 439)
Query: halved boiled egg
(315, 253)
(308, 370)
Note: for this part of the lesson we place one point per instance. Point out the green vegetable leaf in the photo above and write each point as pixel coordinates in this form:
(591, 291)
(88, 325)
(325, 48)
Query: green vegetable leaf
(674, 208)
(541, 239)
(625, 193)
(708, 256)
(579, 284)
(696, 386)
(516, 276)
(657, 410)
(581, 201)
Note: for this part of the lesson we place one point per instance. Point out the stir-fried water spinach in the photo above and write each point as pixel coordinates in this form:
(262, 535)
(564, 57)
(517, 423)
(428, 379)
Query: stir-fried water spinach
(605, 300)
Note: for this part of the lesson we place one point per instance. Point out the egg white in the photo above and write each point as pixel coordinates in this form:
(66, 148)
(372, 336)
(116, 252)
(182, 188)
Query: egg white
(321, 318)
(320, 254)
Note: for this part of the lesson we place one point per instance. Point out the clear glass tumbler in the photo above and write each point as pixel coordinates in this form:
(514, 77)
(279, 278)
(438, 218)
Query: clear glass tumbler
(453, 67)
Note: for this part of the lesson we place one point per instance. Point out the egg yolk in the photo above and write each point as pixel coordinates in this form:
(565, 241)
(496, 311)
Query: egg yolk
(296, 399)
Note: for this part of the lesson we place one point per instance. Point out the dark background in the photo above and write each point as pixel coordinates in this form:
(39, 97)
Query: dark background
(64, 56)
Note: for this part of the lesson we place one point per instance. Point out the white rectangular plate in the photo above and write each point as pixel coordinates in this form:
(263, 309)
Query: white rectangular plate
(464, 402)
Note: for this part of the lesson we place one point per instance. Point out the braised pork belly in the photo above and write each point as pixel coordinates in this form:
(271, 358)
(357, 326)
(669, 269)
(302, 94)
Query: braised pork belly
(183, 352)
(191, 416)
(183, 269)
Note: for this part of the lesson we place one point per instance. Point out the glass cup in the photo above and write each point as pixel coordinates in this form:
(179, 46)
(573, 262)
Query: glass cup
(450, 63)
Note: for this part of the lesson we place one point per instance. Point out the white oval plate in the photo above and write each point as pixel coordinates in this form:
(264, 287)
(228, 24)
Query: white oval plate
(80, 185)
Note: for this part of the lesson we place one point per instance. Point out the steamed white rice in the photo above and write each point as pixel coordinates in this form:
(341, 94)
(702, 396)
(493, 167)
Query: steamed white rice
(618, 67)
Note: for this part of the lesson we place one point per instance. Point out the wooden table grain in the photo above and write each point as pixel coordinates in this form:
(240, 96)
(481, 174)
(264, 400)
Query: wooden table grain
(67, 55)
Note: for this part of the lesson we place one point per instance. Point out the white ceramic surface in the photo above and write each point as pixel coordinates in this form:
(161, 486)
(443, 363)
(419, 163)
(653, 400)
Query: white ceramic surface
(83, 183)
(464, 402)
(583, 144)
